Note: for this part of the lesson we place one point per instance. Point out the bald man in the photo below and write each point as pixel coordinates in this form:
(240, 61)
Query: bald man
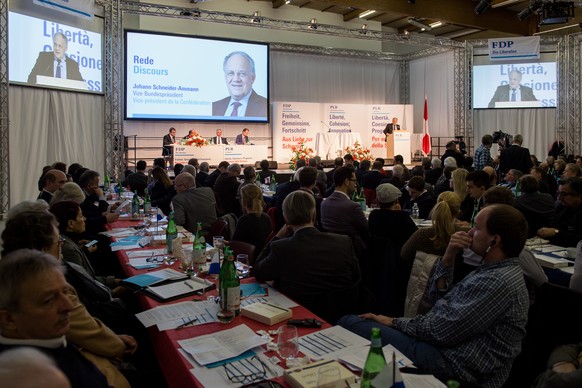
(53, 181)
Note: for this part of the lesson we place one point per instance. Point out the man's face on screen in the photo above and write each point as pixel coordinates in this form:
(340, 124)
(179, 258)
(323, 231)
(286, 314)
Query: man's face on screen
(514, 79)
(239, 76)
(59, 46)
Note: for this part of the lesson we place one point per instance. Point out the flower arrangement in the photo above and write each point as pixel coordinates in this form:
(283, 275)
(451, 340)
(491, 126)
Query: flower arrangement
(359, 152)
(300, 151)
(196, 140)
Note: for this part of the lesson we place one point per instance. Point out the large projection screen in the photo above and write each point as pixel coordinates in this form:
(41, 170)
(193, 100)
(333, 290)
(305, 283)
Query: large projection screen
(178, 77)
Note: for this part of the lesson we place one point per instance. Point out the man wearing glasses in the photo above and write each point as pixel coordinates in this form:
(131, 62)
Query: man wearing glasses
(566, 230)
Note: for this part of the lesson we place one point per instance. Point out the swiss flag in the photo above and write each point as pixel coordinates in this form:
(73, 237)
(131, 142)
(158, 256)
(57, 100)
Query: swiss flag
(426, 138)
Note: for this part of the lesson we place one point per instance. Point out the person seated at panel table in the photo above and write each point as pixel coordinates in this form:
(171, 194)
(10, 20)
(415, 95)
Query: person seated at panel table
(243, 101)
(566, 228)
(255, 225)
(475, 328)
(243, 138)
(309, 263)
(513, 91)
(191, 132)
(218, 139)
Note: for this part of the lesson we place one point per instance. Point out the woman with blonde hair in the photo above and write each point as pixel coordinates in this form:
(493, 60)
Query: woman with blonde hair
(255, 225)
(434, 239)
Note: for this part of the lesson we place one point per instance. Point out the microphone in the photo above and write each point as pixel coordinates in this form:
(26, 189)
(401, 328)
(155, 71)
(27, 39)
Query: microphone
(328, 128)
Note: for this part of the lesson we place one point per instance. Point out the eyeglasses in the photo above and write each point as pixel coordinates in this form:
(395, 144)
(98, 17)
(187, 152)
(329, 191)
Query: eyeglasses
(245, 371)
(60, 241)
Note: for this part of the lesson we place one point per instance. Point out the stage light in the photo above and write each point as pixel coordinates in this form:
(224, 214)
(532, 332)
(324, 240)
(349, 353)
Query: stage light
(256, 17)
(482, 7)
(366, 13)
(532, 8)
(556, 13)
(312, 24)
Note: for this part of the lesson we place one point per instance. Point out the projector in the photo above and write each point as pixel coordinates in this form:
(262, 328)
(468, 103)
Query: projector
(556, 13)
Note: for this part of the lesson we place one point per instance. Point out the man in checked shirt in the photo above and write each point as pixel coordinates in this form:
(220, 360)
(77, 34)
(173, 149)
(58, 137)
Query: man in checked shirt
(475, 328)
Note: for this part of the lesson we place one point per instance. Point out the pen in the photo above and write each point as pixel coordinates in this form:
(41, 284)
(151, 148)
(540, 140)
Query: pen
(189, 285)
(183, 325)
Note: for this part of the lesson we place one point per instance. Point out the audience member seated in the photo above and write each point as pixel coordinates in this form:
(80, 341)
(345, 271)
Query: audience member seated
(202, 175)
(444, 182)
(95, 207)
(178, 168)
(372, 179)
(283, 190)
(452, 151)
(72, 170)
(221, 169)
(546, 182)
(432, 174)
(396, 179)
(538, 208)
(97, 341)
(382, 269)
(564, 368)
(255, 225)
(69, 192)
(162, 191)
(440, 341)
(477, 184)
(459, 186)
(193, 204)
(576, 279)
(249, 179)
(226, 191)
(415, 192)
(189, 169)
(510, 179)
(24, 367)
(28, 279)
(362, 170)
(310, 267)
(571, 170)
(53, 180)
(307, 181)
(566, 228)
(337, 163)
(321, 179)
(339, 214)
(138, 180)
(492, 175)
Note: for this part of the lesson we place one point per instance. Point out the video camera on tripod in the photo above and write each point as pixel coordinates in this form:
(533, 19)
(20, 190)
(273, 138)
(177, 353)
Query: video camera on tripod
(502, 139)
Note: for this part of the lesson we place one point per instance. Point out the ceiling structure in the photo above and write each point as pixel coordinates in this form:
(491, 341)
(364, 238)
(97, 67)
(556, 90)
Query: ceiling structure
(457, 18)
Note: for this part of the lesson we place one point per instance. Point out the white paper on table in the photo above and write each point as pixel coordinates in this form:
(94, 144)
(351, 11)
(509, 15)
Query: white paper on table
(147, 253)
(357, 357)
(174, 289)
(222, 345)
(119, 232)
(216, 377)
(279, 300)
(116, 248)
(176, 311)
(142, 262)
(328, 343)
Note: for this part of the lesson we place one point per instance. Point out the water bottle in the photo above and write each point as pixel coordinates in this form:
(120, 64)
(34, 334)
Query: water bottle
(171, 233)
(375, 362)
(415, 211)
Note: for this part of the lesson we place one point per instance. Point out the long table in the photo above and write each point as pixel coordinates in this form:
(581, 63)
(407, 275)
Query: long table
(215, 153)
(175, 367)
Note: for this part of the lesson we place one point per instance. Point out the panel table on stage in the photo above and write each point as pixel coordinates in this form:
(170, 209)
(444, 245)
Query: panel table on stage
(215, 153)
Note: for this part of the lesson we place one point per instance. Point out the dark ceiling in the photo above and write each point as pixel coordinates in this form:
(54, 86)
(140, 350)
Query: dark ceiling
(458, 17)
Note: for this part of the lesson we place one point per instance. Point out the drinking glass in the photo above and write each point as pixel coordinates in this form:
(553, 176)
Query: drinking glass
(242, 264)
(287, 343)
(328, 377)
(218, 243)
(186, 262)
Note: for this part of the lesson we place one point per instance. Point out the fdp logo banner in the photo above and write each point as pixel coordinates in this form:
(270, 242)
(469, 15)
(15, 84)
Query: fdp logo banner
(503, 49)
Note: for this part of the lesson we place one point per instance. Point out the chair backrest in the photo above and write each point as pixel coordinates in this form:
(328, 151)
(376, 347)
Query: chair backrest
(217, 229)
(370, 196)
(240, 247)
(271, 214)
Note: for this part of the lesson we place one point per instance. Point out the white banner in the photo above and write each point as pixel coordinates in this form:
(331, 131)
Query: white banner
(81, 8)
(503, 49)
(335, 125)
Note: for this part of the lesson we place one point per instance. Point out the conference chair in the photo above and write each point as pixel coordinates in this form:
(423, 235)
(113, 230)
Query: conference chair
(217, 229)
(241, 247)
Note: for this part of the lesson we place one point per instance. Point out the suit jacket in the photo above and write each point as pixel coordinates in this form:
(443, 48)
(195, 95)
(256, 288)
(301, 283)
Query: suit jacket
(136, 181)
(225, 192)
(194, 205)
(515, 157)
(166, 149)
(391, 128)
(45, 66)
(257, 106)
(341, 215)
(45, 196)
(240, 139)
(308, 263)
(222, 138)
(502, 94)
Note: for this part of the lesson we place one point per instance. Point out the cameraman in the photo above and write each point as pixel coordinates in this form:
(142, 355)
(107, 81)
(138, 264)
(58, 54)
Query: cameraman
(515, 156)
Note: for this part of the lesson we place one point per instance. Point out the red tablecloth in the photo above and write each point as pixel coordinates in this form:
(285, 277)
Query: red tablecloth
(175, 367)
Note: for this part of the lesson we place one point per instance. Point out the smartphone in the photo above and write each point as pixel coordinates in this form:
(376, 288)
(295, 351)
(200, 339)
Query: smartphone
(90, 243)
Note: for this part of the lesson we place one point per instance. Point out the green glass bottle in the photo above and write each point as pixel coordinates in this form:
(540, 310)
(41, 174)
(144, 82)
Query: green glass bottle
(258, 180)
(229, 288)
(273, 183)
(147, 203)
(106, 182)
(375, 362)
(171, 233)
(135, 205)
(517, 188)
(453, 384)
